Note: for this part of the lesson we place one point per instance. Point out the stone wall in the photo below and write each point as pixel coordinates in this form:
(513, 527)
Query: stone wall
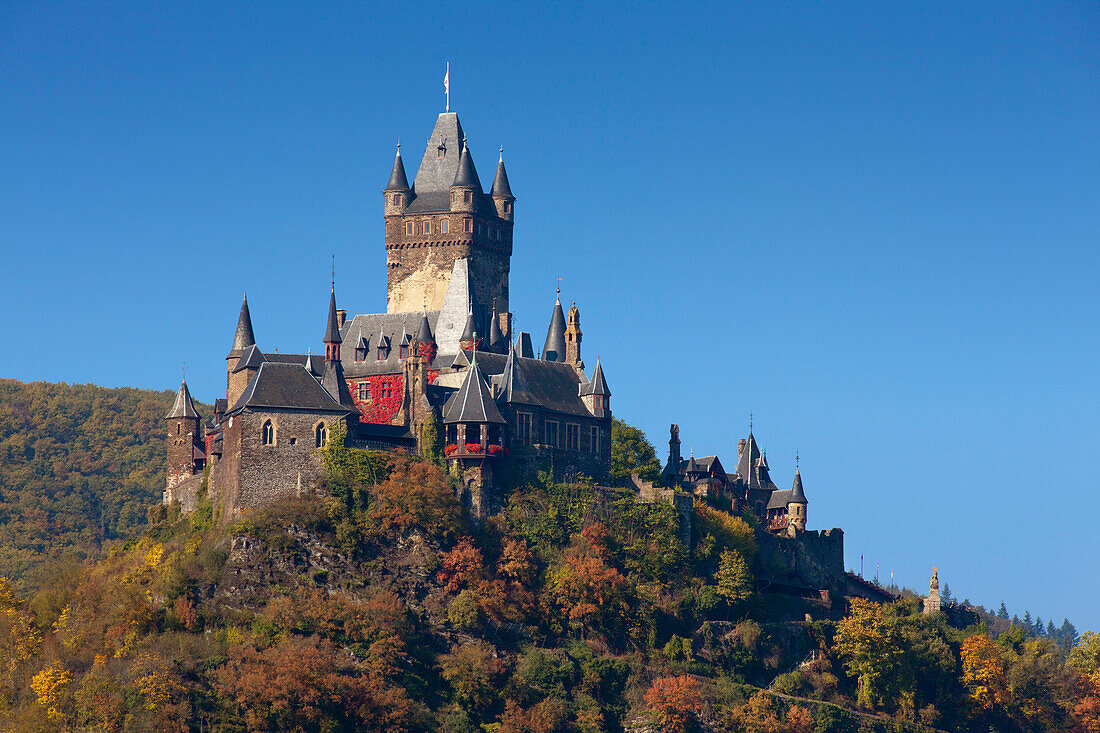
(814, 558)
(255, 474)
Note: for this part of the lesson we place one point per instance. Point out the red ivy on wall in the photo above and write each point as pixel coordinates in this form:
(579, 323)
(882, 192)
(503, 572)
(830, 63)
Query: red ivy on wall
(386, 392)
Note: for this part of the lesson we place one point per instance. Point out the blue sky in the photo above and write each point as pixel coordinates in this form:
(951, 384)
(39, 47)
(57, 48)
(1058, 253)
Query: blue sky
(873, 226)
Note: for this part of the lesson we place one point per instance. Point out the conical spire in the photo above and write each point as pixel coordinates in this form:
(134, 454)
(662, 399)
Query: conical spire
(398, 180)
(183, 406)
(424, 332)
(496, 338)
(332, 332)
(469, 333)
(334, 383)
(554, 348)
(244, 336)
(798, 496)
(473, 402)
(501, 189)
(597, 385)
(466, 174)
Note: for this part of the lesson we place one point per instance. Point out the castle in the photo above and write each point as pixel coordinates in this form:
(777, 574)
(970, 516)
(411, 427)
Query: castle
(441, 363)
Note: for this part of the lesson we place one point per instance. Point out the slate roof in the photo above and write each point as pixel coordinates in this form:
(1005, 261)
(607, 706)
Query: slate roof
(314, 363)
(286, 386)
(441, 154)
(466, 175)
(511, 385)
(797, 494)
(250, 359)
(523, 343)
(500, 182)
(424, 331)
(752, 466)
(184, 406)
(244, 337)
(554, 348)
(398, 180)
(496, 337)
(336, 385)
(553, 385)
(332, 331)
(597, 385)
(469, 333)
(473, 402)
(779, 499)
(370, 328)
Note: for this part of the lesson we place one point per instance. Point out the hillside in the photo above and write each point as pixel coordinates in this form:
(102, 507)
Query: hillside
(381, 608)
(79, 466)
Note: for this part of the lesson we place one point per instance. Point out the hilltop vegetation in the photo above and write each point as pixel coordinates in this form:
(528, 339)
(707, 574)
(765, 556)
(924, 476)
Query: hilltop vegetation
(79, 466)
(377, 605)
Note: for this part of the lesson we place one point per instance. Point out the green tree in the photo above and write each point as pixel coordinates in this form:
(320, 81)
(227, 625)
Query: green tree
(1002, 612)
(431, 440)
(733, 578)
(631, 452)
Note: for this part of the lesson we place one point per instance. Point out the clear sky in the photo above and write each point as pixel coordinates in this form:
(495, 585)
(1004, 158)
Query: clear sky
(874, 226)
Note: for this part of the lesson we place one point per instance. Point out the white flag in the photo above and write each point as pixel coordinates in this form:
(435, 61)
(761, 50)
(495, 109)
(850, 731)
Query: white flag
(447, 85)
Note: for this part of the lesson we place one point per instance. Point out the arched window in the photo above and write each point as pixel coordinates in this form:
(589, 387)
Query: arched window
(360, 354)
(267, 435)
(321, 433)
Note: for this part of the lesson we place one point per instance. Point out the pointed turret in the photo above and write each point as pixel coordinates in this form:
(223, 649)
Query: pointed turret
(244, 337)
(798, 496)
(469, 340)
(332, 330)
(183, 406)
(497, 344)
(573, 337)
(502, 192)
(554, 348)
(595, 394)
(466, 175)
(398, 180)
(473, 402)
(796, 506)
(424, 331)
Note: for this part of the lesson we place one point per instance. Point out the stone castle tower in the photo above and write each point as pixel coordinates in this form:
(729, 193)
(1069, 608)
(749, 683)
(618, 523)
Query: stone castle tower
(443, 217)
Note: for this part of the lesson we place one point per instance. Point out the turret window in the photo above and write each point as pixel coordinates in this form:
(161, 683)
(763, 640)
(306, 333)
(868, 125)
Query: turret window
(468, 196)
(498, 234)
(321, 435)
(267, 433)
(507, 206)
(179, 429)
(468, 225)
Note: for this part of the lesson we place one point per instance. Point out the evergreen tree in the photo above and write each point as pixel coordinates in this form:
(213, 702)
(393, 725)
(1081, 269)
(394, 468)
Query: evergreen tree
(1067, 636)
(1039, 626)
(1052, 633)
(946, 595)
(1002, 612)
(1029, 625)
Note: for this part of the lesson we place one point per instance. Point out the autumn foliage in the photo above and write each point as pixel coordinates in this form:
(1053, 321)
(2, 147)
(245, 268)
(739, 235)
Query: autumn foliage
(674, 702)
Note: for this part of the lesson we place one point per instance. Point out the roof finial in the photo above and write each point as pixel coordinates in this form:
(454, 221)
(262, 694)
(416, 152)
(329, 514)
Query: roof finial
(501, 154)
(558, 291)
(447, 86)
(334, 272)
(184, 368)
(750, 422)
(796, 460)
(399, 146)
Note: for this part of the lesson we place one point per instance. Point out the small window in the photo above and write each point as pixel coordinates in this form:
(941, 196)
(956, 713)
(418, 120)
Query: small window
(321, 435)
(408, 228)
(454, 197)
(507, 206)
(179, 429)
(397, 199)
(293, 441)
(383, 353)
(468, 225)
(267, 433)
(360, 354)
(572, 436)
(443, 227)
(595, 440)
(468, 196)
(552, 433)
(363, 390)
(427, 226)
(523, 427)
(385, 391)
(404, 351)
(498, 234)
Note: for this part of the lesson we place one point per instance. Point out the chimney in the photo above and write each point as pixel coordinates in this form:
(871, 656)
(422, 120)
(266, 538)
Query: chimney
(341, 316)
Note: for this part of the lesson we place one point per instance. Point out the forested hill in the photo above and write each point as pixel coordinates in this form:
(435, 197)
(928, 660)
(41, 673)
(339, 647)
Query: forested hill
(79, 464)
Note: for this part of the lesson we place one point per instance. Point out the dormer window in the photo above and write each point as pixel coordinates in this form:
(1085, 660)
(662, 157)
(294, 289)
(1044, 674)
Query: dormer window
(404, 351)
(383, 352)
(361, 354)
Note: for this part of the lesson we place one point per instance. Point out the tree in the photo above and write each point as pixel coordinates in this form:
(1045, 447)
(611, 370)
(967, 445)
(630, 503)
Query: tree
(472, 671)
(431, 440)
(415, 495)
(733, 579)
(1002, 612)
(674, 702)
(1085, 655)
(870, 643)
(631, 452)
(983, 671)
(1067, 635)
(587, 586)
(946, 596)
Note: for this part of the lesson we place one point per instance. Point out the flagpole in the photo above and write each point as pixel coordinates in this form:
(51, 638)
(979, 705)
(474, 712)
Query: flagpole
(447, 85)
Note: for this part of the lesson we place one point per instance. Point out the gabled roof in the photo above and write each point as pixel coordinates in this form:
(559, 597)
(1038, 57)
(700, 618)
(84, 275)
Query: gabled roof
(466, 175)
(752, 467)
(250, 359)
(597, 385)
(398, 181)
(280, 385)
(183, 406)
(512, 386)
(554, 385)
(523, 344)
(384, 328)
(501, 189)
(440, 162)
(332, 330)
(554, 348)
(334, 383)
(244, 337)
(779, 499)
(473, 402)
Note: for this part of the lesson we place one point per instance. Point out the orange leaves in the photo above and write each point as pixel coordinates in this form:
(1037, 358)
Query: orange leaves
(983, 671)
(415, 495)
(674, 702)
(516, 562)
(462, 567)
(587, 586)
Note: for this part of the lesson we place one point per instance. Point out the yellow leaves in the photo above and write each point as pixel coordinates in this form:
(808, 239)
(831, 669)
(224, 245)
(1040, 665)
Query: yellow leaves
(872, 646)
(19, 639)
(47, 686)
(983, 671)
(154, 556)
(155, 683)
